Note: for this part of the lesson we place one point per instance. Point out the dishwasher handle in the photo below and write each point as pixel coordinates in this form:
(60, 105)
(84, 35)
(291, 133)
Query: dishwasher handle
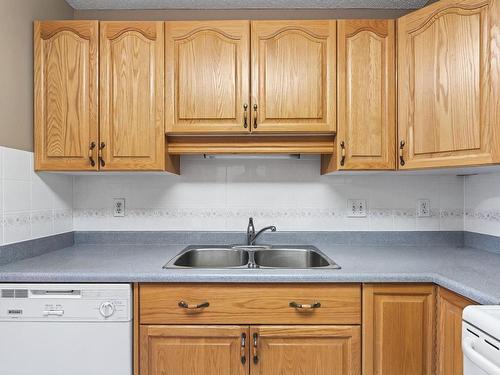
(476, 358)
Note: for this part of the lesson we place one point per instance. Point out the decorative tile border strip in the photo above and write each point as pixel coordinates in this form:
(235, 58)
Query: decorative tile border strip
(17, 219)
(483, 215)
(173, 213)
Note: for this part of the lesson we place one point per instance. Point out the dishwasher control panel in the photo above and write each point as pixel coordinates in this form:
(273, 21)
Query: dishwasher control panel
(67, 302)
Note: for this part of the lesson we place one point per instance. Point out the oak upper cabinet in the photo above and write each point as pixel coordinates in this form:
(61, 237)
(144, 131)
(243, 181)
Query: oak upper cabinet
(66, 95)
(398, 329)
(449, 332)
(192, 350)
(293, 76)
(131, 96)
(207, 76)
(301, 350)
(366, 126)
(448, 82)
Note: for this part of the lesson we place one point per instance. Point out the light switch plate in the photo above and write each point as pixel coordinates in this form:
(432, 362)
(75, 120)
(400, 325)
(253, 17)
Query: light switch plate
(356, 207)
(423, 208)
(118, 207)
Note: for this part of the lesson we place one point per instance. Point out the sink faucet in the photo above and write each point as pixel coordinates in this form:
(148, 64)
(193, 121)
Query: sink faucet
(252, 236)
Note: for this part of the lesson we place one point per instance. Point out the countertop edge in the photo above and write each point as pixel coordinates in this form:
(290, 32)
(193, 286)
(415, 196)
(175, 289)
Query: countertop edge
(435, 278)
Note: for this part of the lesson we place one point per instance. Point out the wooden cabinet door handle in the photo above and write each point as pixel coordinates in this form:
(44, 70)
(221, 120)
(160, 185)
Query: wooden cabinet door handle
(255, 348)
(310, 306)
(91, 154)
(185, 305)
(255, 116)
(243, 355)
(401, 158)
(342, 153)
(245, 115)
(101, 158)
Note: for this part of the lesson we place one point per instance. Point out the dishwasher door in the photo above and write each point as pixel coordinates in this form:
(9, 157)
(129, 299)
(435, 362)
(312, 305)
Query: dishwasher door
(65, 348)
(66, 329)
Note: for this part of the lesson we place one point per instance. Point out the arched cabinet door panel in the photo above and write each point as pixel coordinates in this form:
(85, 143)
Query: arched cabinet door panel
(207, 76)
(448, 82)
(293, 76)
(366, 126)
(131, 87)
(66, 94)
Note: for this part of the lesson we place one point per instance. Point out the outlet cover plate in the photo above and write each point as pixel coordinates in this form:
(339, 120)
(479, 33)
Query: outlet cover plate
(423, 208)
(356, 208)
(118, 207)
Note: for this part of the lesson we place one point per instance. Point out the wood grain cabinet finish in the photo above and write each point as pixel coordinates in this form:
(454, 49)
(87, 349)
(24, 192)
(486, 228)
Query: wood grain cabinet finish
(448, 82)
(207, 76)
(250, 303)
(305, 350)
(131, 96)
(293, 76)
(398, 329)
(194, 350)
(66, 95)
(449, 332)
(366, 126)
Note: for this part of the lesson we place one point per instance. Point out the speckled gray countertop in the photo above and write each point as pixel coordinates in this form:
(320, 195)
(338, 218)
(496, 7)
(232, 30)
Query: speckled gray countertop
(470, 272)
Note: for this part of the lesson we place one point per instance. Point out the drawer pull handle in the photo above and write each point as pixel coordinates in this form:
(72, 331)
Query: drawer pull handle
(314, 305)
(186, 305)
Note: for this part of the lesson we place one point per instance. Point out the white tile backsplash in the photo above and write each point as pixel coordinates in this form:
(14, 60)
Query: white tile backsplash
(221, 194)
(32, 205)
(482, 204)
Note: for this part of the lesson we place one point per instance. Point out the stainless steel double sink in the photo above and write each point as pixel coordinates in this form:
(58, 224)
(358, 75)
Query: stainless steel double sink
(241, 256)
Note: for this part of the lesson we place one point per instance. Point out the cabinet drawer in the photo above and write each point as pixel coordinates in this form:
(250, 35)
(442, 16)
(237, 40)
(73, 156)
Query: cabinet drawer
(250, 303)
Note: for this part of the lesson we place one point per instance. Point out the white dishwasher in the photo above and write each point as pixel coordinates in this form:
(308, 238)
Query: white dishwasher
(481, 340)
(65, 329)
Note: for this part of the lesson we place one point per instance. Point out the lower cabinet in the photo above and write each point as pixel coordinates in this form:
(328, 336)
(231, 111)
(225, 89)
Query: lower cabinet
(304, 350)
(239, 350)
(449, 332)
(398, 329)
(193, 350)
(318, 329)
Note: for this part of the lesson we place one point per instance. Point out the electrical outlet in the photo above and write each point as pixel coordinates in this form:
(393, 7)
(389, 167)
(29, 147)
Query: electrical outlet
(356, 208)
(423, 208)
(118, 207)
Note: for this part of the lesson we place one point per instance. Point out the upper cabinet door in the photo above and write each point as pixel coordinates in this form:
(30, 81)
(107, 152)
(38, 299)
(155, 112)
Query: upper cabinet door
(293, 76)
(207, 76)
(131, 129)
(366, 94)
(448, 79)
(66, 107)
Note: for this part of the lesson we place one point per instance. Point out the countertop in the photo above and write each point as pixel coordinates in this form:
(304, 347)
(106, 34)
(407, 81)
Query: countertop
(470, 272)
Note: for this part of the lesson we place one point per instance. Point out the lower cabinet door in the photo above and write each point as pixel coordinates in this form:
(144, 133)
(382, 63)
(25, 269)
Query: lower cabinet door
(305, 350)
(398, 329)
(194, 350)
(449, 333)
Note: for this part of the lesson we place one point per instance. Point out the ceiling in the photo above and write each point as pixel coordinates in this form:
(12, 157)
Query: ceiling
(246, 4)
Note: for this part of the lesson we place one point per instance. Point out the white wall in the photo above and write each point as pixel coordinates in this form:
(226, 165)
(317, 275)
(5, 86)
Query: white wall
(31, 205)
(221, 195)
(482, 204)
